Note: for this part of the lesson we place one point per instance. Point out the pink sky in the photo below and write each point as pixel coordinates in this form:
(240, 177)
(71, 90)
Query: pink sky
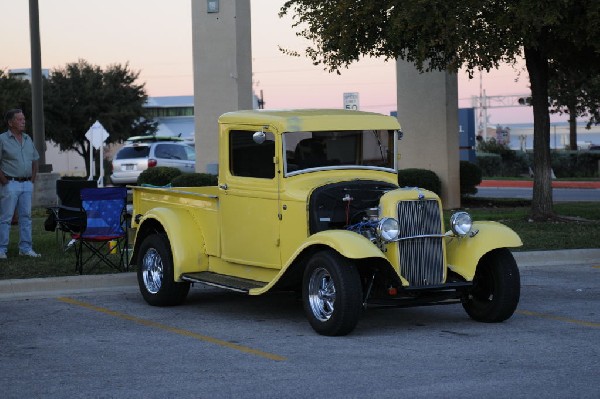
(154, 36)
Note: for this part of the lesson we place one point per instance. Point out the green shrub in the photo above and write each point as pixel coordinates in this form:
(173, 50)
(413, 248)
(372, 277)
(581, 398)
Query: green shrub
(470, 177)
(490, 164)
(194, 180)
(158, 176)
(491, 146)
(575, 164)
(422, 178)
(511, 164)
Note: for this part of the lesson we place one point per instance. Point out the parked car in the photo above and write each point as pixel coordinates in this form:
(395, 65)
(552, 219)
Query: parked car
(309, 201)
(142, 152)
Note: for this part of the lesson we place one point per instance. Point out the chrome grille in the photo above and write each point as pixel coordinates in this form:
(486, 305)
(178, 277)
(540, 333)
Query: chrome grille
(422, 258)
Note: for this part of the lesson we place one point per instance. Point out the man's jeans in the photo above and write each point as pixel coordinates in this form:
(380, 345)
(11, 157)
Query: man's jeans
(16, 195)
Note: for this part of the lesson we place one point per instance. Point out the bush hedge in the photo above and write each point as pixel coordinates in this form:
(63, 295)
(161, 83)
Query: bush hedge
(470, 177)
(565, 164)
(575, 163)
(158, 176)
(194, 180)
(498, 160)
(422, 178)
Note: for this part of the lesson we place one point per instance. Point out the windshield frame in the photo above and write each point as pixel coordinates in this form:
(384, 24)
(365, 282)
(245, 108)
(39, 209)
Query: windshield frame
(286, 135)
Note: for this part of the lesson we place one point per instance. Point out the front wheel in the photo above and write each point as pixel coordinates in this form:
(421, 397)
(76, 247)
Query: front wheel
(155, 273)
(331, 293)
(496, 288)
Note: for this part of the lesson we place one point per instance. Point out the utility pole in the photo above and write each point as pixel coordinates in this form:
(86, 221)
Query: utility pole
(37, 103)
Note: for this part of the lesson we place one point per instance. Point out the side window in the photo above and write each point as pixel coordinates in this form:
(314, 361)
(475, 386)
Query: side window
(161, 151)
(179, 153)
(191, 153)
(246, 158)
(170, 151)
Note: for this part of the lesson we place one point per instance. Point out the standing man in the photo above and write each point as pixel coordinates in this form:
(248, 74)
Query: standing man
(18, 169)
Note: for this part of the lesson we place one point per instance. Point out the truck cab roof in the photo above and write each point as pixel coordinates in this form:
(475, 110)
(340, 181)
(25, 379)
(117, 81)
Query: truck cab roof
(312, 120)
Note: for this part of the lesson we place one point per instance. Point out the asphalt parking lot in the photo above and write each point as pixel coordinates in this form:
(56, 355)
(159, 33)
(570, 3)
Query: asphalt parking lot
(109, 343)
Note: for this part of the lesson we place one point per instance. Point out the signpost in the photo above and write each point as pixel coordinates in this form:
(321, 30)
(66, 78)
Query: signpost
(97, 135)
(351, 101)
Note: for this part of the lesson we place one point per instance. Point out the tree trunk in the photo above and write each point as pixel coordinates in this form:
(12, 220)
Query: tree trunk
(572, 128)
(537, 67)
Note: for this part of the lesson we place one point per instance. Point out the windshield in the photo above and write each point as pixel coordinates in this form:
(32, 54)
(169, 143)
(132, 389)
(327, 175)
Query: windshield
(357, 149)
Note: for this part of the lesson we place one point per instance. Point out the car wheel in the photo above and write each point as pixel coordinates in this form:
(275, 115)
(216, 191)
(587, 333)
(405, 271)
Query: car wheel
(496, 288)
(331, 293)
(155, 273)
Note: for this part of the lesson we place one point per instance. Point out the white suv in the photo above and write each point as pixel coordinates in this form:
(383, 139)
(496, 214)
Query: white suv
(142, 152)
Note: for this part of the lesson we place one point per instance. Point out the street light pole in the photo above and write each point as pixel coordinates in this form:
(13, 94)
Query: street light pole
(37, 103)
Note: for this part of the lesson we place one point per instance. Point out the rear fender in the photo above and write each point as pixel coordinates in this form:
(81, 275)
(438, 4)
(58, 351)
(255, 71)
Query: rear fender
(185, 238)
(463, 253)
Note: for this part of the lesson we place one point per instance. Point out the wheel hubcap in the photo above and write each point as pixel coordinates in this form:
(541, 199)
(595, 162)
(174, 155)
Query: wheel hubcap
(152, 271)
(321, 294)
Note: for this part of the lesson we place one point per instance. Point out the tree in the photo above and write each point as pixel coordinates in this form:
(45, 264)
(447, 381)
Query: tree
(575, 90)
(14, 93)
(474, 34)
(80, 93)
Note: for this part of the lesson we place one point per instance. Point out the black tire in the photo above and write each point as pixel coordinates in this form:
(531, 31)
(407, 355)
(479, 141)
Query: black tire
(155, 273)
(496, 288)
(331, 293)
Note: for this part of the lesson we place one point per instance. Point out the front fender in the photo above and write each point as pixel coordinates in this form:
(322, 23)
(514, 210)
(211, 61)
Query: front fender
(185, 237)
(347, 243)
(463, 254)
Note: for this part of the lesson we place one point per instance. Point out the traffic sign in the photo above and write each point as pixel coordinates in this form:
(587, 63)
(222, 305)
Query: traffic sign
(351, 101)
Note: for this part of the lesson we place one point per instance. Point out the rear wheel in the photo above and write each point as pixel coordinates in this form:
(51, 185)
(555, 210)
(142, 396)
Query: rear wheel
(155, 273)
(331, 293)
(496, 288)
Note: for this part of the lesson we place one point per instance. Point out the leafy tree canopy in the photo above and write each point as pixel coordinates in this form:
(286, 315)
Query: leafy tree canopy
(80, 93)
(470, 34)
(440, 34)
(14, 93)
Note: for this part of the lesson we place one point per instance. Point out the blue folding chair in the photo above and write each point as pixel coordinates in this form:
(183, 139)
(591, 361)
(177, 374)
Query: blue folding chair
(105, 231)
(66, 218)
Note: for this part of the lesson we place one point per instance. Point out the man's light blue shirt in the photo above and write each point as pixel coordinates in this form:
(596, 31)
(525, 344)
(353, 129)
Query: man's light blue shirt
(16, 158)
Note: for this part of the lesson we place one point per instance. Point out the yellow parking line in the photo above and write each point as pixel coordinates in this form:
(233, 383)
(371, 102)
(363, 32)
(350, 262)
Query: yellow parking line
(175, 330)
(559, 318)
(596, 267)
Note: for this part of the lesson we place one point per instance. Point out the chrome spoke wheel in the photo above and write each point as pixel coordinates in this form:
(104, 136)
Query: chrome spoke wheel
(321, 294)
(156, 275)
(152, 271)
(331, 293)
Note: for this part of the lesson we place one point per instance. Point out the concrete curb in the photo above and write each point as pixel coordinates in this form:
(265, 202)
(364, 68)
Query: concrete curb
(127, 282)
(571, 257)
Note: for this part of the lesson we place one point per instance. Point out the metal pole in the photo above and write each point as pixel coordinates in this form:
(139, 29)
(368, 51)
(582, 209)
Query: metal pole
(37, 103)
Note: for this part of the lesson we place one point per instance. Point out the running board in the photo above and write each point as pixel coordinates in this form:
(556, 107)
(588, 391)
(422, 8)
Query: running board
(221, 281)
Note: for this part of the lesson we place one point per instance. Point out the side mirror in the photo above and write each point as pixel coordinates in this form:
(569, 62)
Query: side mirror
(259, 137)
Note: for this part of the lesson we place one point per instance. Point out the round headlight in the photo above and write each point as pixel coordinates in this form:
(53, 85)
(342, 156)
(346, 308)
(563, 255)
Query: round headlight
(461, 223)
(388, 229)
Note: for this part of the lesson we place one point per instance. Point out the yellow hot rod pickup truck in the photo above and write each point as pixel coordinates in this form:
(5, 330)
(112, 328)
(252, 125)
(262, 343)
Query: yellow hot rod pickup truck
(309, 201)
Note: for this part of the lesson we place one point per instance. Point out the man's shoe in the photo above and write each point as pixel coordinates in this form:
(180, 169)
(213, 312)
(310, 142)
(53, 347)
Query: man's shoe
(2, 255)
(31, 253)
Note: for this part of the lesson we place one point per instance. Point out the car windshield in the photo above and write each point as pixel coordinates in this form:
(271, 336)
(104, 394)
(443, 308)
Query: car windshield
(137, 151)
(357, 149)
